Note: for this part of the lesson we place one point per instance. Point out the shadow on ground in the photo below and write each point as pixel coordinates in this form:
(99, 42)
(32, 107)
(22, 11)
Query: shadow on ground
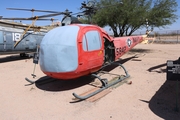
(50, 84)
(139, 50)
(12, 58)
(158, 68)
(166, 102)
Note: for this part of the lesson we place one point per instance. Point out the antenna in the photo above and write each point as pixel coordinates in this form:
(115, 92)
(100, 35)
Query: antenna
(147, 28)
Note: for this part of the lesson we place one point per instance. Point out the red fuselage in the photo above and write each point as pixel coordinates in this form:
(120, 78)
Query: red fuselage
(76, 50)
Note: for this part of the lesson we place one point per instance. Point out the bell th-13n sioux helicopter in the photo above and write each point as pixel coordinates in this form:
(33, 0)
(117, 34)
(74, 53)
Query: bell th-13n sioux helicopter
(76, 50)
(17, 37)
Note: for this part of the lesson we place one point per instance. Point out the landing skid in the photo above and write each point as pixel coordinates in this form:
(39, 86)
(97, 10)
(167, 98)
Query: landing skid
(39, 81)
(30, 81)
(104, 82)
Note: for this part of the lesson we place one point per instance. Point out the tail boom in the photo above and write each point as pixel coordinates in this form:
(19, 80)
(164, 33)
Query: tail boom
(124, 44)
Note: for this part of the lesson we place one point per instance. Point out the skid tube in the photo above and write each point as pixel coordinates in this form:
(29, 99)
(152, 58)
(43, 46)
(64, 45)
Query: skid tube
(30, 81)
(104, 82)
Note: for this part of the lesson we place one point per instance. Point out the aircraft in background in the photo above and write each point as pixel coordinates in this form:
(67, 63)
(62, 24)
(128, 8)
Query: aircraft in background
(11, 33)
(23, 38)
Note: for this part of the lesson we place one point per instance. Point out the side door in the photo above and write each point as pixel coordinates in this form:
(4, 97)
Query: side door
(92, 47)
(8, 41)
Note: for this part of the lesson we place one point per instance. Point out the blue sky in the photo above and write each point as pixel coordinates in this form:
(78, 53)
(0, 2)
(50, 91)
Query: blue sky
(54, 5)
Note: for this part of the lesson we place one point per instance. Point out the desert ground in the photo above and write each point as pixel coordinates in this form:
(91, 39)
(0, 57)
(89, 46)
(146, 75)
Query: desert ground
(149, 96)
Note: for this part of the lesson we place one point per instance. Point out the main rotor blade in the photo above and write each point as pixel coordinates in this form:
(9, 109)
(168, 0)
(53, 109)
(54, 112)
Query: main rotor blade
(36, 17)
(76, 13)
(49, 15)
(16, 19)
(19, 26)
(32, 10)
(26, 19)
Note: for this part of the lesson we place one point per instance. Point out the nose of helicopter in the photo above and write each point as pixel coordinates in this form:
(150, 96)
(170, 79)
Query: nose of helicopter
(58, 50)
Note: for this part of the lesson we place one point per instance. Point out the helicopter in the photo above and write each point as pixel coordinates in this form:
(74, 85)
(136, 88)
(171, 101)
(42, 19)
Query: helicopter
(75, 50)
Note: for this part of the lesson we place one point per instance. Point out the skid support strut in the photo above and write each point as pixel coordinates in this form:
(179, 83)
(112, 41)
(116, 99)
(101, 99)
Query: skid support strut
(104, 82)
(35, 61)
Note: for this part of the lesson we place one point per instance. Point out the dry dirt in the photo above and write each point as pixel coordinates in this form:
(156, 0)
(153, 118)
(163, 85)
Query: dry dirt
(149, 97)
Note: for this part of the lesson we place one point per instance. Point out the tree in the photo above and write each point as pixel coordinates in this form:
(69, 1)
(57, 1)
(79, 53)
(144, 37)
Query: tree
(163, 13)
(126, 16)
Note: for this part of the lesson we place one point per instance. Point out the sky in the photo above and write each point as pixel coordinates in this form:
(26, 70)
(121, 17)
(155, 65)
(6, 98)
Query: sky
(54, 5)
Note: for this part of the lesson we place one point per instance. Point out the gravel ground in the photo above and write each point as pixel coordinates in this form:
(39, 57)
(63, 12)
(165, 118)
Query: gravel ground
(149, 97)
